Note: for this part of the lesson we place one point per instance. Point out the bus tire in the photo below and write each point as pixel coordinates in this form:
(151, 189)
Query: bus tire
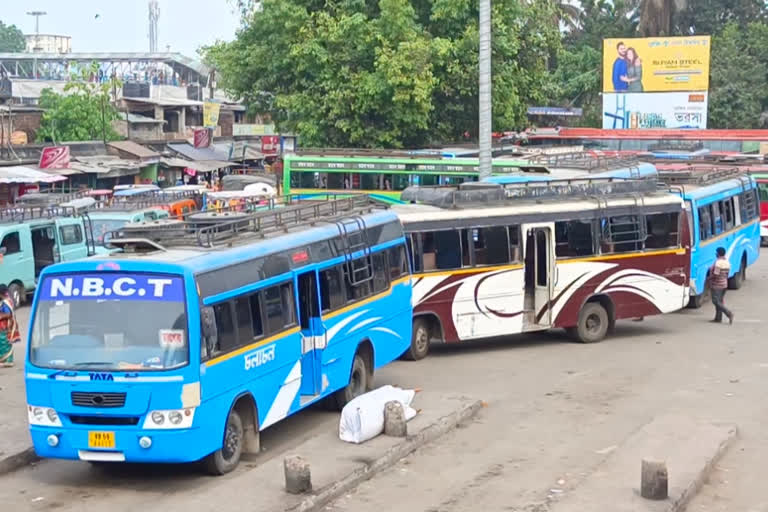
(358, 382)
(419, 341)
(593, 323)
(735, 282)
(16, 291)
(227, 458)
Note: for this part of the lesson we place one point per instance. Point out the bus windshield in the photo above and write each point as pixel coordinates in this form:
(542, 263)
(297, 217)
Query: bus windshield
(113, 321)
(102, 226)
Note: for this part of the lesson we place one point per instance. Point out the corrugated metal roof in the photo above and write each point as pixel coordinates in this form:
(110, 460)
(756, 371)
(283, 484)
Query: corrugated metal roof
(198, 165)
(23, 174)
(132, 148)
(165, 101)
(193, 153)
(137, 119)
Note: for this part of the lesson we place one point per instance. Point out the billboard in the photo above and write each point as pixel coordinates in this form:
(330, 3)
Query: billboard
(211, 114)
(655, 110)
(656, 64)
(253, 129)
(54, 157)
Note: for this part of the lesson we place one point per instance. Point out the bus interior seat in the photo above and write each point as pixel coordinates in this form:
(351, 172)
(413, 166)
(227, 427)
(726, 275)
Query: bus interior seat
(430, 261)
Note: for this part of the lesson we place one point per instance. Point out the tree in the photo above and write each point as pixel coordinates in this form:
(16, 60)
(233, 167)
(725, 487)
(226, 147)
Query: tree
(739, 69)
(385, 73)
(83, 112)
(11, 39)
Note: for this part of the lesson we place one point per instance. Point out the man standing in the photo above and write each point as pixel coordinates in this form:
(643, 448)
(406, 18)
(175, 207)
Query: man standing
(718, 283)
(620, 69)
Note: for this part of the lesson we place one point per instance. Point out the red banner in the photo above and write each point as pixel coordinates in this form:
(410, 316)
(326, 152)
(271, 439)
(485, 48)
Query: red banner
(270, 144)
(202, 138)
(54, 157)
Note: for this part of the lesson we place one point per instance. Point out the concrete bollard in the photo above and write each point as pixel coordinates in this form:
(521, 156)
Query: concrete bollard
(394, 419)
(297, 476)
(654, 481)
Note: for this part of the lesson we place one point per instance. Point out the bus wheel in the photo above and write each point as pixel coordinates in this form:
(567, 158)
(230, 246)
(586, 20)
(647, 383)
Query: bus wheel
(227, 458)
(358, 382)
(16, 291)
(419, 341)
(593, 323)
(739, 277)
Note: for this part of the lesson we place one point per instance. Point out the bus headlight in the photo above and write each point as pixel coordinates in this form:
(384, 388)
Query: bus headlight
(170, 419)
(43, 416)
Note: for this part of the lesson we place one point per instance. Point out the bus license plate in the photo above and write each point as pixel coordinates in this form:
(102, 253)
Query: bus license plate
(101, 440)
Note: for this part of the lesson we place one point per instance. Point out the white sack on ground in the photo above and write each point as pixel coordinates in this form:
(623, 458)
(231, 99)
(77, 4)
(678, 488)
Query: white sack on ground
(363, 418)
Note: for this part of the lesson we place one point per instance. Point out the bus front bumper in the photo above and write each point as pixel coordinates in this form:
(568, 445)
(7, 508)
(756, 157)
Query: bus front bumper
(122, 445)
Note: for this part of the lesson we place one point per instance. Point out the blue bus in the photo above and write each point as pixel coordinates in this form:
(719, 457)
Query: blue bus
(187, 343)
(723, 211)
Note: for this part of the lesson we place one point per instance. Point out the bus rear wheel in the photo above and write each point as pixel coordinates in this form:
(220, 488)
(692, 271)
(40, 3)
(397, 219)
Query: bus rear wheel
(593, 325)
(739, 277)
(419, 341)
(360, 380)
(227, 458)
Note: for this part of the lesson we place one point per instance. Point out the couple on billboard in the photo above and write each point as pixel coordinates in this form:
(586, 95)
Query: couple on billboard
(627, 70)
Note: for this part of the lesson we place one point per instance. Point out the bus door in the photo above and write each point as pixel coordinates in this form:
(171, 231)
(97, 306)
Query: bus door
(540, 274)
(312, 333)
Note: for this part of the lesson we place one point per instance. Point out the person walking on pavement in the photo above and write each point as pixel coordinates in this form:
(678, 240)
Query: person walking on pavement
(718, 283)
(9, 330)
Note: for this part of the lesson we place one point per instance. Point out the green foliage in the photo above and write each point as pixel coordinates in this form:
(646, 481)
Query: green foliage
(11, 38)
(386, 73)
(737, 80)
(84, 112)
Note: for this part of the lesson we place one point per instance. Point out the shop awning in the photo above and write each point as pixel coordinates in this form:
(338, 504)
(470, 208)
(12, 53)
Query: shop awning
(190, 152)
(22, 174)
(199, 165)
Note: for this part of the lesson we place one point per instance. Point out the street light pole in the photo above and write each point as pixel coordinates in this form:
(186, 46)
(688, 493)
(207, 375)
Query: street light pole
(485, 109)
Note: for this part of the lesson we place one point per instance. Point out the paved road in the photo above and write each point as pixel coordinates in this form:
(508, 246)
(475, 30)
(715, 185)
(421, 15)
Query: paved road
(555, 410)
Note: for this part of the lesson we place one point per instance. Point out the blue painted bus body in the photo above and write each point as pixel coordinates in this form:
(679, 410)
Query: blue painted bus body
(307, 360)
(720, 218)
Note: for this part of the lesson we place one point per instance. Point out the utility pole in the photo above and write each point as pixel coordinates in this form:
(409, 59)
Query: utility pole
(37, 48)
(485, 109)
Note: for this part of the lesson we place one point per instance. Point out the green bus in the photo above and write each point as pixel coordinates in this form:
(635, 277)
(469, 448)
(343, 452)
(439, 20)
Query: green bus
(382, 176)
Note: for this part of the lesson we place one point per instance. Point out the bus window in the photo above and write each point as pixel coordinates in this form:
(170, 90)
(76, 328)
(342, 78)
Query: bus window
(400, 182)
(278, 308)
(244, 324)
(514, 243)
(705, 223)
(717, 219)
(446, 247)
(11, 243)
(491, 246)
(256, 320)
(398, 265)
(726, 210)
(359, 290)
(663, 230)
(623, 233)
(335, 181)
(763, 190)
(225, 327)
(331, 292)
(380, 274)
(573, 238)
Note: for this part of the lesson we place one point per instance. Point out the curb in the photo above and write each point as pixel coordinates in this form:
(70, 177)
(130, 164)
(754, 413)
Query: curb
(18, 460)
(390, 458)
(695, 485)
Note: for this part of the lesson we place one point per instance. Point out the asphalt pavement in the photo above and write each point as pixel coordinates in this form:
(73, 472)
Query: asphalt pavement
(556, 410)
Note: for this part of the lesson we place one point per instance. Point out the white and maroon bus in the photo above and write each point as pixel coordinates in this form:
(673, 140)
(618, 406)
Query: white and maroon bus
(492, 260)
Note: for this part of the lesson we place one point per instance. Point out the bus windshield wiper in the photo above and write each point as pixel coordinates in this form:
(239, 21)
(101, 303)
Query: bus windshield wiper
(95, 363)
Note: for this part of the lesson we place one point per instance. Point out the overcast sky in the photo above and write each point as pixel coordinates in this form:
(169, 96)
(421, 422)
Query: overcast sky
(123, 25)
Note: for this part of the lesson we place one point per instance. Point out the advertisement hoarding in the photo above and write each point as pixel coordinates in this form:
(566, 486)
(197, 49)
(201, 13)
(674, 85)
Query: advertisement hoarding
(656, 64)
(253, 129)
(211, 114)
(655, 110)
(54, 157)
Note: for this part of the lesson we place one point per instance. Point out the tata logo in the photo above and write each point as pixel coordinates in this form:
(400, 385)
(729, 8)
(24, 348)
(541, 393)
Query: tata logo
(102, 376)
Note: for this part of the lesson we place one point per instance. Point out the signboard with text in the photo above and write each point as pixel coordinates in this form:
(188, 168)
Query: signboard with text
(656, 64)
(655, 110)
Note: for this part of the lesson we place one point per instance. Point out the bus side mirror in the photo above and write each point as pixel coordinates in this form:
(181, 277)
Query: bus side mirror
(209, 332)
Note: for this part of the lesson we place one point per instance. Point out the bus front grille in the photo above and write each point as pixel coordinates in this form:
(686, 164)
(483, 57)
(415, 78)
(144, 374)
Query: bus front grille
(104, 420)
(84, 399)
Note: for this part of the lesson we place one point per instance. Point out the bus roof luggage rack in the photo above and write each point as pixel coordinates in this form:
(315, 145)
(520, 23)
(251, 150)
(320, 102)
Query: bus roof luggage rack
(379, 153)
(677, 146)
(584, 160)
(699, 176)
(49, 211)
(49, 197)
(480, 192)
(206, 229)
